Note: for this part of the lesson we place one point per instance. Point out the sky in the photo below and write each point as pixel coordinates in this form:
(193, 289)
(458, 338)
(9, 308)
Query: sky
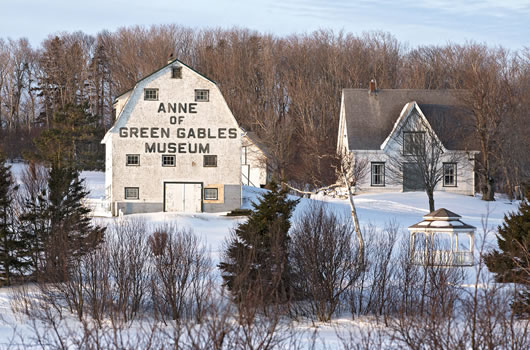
(415, 22)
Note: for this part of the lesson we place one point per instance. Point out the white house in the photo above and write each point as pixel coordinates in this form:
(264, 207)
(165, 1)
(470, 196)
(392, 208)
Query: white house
(255, 170)
(175, 146)
(379, 128)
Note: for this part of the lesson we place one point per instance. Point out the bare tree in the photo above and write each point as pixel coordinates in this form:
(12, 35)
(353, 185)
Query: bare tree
(181, 273)
(489, 78)
(350, 170)
(417, 157)
(323, 261)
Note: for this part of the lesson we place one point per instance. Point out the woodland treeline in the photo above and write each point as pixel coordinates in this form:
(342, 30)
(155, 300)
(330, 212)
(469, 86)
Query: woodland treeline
(286, 89)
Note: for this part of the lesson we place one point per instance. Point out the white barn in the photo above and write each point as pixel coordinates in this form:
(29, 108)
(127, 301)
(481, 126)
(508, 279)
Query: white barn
(376, 127)
(175, 146)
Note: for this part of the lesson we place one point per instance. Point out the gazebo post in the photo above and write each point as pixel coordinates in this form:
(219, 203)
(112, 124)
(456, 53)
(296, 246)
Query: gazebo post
(429, 251)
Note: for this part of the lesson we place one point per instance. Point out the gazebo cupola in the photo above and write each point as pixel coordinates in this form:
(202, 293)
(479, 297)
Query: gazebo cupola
(442, 239)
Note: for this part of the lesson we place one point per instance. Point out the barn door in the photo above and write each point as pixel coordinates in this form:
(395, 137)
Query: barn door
(192, 198)
(183, 197)
(412, 178)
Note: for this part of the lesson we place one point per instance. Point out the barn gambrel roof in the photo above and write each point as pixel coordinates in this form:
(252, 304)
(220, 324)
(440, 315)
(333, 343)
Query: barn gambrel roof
(172, 62)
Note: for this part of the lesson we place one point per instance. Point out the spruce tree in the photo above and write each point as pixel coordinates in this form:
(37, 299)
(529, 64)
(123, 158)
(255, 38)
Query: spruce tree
(255, 265)
(511, 263)
(56, 222)
(34, 228)
(73, 234)
(12, 259)
(73, 139)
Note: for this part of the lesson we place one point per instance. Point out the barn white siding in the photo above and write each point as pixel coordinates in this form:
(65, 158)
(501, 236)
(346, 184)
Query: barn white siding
(151, 129)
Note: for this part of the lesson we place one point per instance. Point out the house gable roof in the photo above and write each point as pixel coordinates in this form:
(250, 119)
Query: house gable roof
(255, 140)
(371, 117)
(406, 113)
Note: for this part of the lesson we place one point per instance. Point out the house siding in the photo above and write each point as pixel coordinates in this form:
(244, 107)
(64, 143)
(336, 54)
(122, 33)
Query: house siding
(391, 153)
(254, 168)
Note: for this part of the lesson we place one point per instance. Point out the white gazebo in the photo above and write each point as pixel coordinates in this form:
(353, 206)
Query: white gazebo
(435, 240)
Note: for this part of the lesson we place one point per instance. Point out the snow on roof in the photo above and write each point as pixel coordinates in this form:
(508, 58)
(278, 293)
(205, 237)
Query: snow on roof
(443, 214)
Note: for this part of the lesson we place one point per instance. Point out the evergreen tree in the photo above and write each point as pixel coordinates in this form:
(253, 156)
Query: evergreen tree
(71, 232)
(35, 229)
(73, 139)
(511, 264)
(55, 223)
(255, 261)
(11, 246)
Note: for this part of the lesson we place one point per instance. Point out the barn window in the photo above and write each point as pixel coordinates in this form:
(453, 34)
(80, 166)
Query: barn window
(168, 160)
(211, 194)
(202, 95)
(151, 94)
(449, 174)
(133, 160)
(132, 193)
(176, 72)
(378, 174)
(413, 143)
(210, 161)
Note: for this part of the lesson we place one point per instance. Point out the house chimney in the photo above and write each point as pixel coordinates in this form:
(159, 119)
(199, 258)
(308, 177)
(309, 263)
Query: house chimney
(373, 86)
(171, 58)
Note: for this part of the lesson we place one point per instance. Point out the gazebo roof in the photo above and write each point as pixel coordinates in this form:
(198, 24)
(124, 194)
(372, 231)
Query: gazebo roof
(442, 214)
(442, 220)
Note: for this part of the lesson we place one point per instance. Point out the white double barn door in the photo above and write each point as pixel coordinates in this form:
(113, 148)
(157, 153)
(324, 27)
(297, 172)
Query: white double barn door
(183, 197)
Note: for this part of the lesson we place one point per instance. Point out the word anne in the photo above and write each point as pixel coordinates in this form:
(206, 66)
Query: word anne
(177, 108)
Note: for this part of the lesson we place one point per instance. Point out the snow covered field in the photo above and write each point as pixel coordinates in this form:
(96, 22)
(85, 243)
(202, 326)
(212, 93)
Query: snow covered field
(378, 208)
(375, 209)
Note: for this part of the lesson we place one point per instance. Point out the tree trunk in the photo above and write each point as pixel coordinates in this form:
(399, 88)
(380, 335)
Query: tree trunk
(355, 220)
(488, 190)
(430, 194)
(509, 187)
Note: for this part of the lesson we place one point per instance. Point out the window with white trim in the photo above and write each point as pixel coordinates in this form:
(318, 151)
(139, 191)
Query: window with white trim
(151, 94)
(378, 174)
(210, 160)
(168, 160)
(211, 193)
(202, 95)
(132, 193)
(133, 160)
(449, 174)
